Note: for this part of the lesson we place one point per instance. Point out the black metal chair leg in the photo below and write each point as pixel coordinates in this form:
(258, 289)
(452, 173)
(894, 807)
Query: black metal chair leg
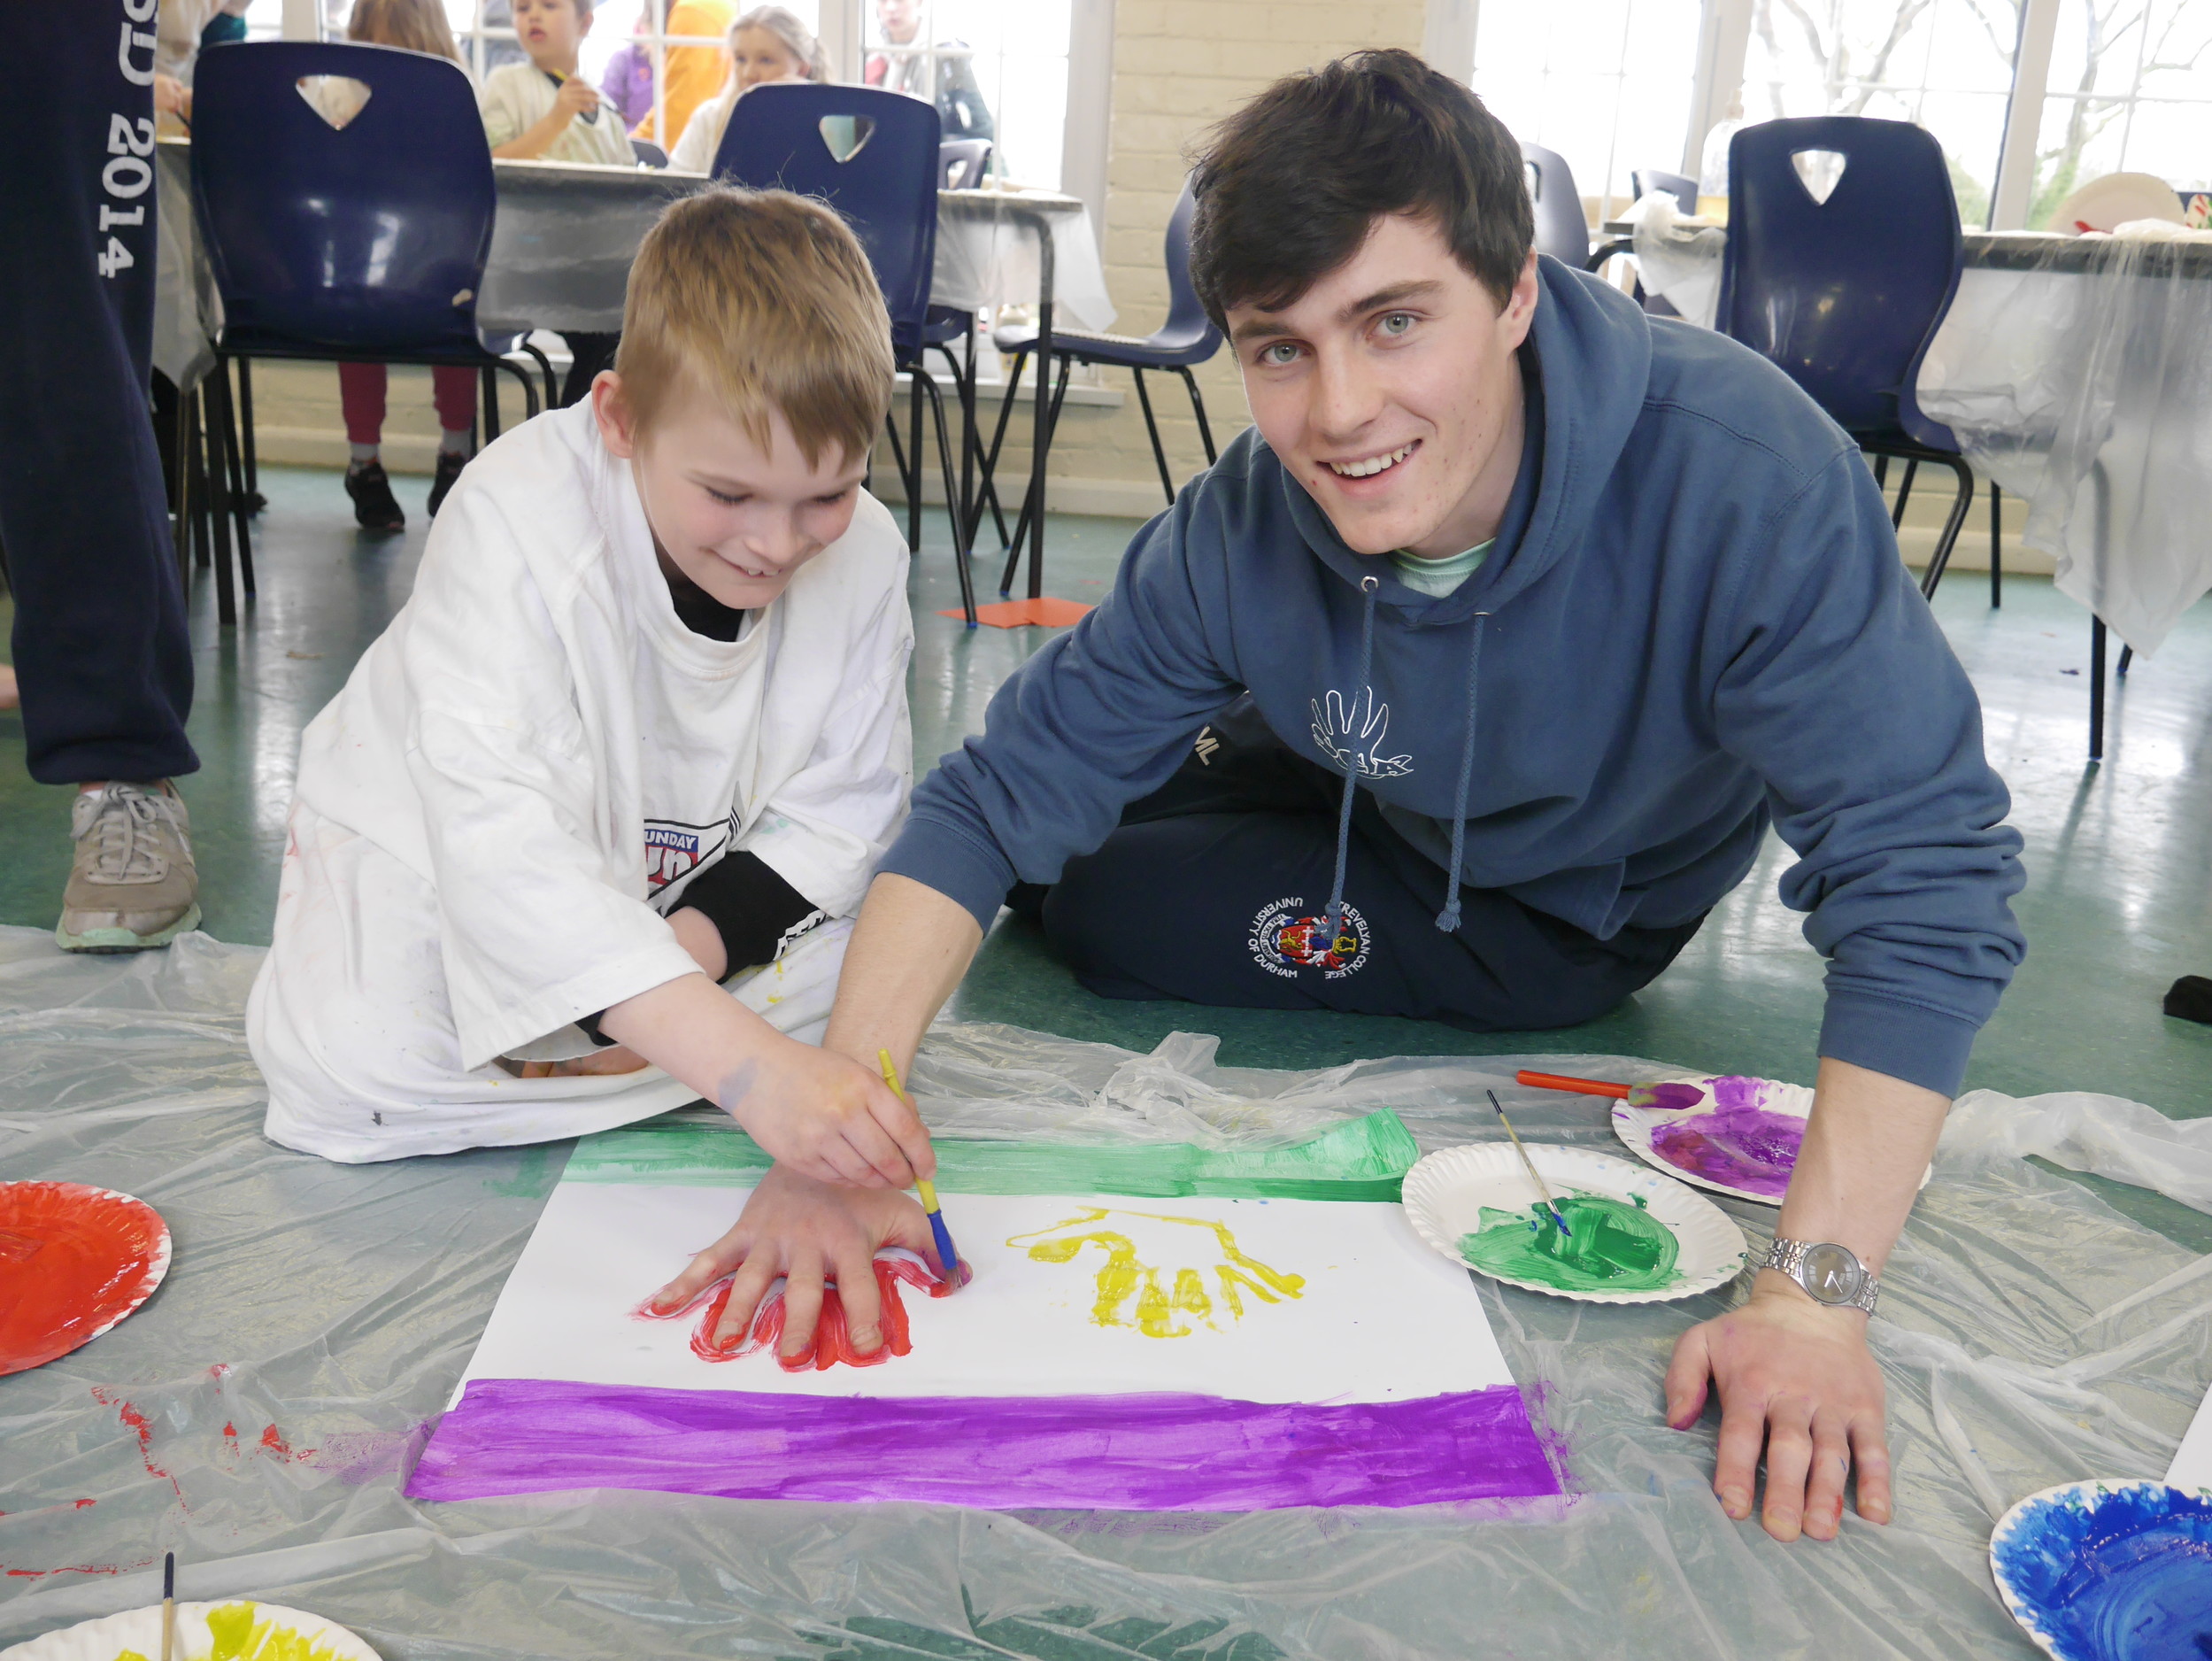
(544, 369)
(987, 492)
(180, 523)
(1029, 496)
(234, 477)
(916, 376)
(2096, 688)
(195, 474)
(1152, 430)
(899, 450)
(1997, 549)
(1961, 502)
(2127, 656)
(952, 499)
(490, 380)
(1904, 495)
(255, 500)
(219, 500)
(1198, 408)
(529, 391)
(1881, 473)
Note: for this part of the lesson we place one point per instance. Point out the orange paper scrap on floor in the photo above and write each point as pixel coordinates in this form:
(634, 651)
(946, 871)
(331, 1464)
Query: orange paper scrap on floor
(1021, 614)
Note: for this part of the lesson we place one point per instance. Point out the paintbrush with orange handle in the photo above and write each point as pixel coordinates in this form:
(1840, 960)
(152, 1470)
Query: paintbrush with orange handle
(1674, 1096)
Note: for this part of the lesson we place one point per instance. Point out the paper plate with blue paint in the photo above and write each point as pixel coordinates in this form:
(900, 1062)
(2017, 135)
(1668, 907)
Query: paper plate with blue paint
(2109, 1571)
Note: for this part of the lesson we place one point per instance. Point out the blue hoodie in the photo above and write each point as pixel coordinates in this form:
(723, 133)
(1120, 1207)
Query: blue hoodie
(1694, 621)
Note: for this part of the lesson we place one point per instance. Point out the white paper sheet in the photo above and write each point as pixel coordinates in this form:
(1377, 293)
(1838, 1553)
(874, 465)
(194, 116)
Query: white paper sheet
(2192, 1468)
(1377, 1317)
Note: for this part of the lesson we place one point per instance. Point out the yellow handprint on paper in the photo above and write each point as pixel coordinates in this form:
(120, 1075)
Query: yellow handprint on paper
(1148, 1300)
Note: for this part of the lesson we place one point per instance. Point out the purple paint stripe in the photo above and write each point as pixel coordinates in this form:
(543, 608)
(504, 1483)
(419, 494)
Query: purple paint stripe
(1139, 1453)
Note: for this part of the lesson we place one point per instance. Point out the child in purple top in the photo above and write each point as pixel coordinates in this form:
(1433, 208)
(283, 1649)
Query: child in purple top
(627, 83)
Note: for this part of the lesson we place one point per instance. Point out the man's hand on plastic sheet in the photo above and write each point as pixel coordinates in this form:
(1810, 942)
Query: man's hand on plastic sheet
(809, 1233)
(1798, 1380)
(1795, 1377)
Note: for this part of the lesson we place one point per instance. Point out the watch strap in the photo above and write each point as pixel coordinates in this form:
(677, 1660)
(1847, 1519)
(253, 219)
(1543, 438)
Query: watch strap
(1787, 1256)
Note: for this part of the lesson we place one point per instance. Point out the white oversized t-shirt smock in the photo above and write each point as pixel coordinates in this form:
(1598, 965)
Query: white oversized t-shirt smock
(517, 781)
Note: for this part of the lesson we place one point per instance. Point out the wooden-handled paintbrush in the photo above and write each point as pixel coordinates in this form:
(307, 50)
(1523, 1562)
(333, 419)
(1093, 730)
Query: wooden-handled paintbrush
(1534, 1176)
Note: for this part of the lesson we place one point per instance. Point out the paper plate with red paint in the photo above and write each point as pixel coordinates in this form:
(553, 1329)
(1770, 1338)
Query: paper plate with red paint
(73, 1261)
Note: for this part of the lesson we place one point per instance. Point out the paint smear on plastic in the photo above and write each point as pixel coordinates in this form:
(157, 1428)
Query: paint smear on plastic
(832, 1334)
(1740, 1143)
(1151, 1452)
(1147, 1300)
(73, 1261)
(2124, 1574)
(1365, 1159)
(1613, 1245)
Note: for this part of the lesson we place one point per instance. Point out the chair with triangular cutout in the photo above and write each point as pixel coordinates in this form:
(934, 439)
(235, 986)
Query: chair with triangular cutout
(345, 196)
(874, 156)
(1843, 255)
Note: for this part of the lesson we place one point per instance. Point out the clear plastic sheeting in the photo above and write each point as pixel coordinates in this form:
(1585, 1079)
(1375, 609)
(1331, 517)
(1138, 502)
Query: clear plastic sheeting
(257, 1415)
(2078, 376)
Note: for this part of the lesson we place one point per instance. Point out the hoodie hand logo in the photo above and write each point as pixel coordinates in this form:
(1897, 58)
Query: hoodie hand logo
(1350, 732)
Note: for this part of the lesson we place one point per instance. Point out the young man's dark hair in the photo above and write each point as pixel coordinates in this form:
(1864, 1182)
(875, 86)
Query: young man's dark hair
(1289, 185)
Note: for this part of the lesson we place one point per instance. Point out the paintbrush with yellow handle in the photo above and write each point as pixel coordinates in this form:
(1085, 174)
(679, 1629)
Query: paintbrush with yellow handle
(950, 1258)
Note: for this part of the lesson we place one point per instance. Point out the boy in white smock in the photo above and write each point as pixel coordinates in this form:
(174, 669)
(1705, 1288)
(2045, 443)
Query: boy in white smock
(543, 110)
(641, 729)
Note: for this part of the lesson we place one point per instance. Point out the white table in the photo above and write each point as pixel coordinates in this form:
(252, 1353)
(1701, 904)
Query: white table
(2076, 373)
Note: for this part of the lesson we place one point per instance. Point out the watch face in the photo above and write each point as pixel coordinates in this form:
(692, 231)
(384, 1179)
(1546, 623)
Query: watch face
(1832, 1273)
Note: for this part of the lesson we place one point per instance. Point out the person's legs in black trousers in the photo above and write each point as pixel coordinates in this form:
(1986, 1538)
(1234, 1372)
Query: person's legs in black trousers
(588, 352)
(100, 645)
(1214, 890)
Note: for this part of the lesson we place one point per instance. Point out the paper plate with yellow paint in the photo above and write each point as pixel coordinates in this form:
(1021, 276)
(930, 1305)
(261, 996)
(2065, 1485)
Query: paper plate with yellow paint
(237, 1630)
(1632, 1235)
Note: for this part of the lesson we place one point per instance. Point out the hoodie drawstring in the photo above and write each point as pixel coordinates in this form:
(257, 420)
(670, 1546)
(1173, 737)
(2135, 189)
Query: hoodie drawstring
(1448, 919)
(1335, 914)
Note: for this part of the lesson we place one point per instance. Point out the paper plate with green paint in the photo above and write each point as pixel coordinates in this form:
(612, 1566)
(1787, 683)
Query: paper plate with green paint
(1632, 1235)
(238, 1630)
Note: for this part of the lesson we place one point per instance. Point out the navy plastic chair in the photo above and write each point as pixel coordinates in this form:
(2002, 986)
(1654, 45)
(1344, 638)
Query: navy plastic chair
(1561, 228)
(363, 242)
(1645, 180)
(1845, 294)
(963, 163)
(1186, 339)
(883, 176)
(648, 153)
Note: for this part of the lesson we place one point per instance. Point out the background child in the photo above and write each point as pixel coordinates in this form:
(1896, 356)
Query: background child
(766, 44)
(641, 725)
(690, 74)
(543, 110)
(417, 25)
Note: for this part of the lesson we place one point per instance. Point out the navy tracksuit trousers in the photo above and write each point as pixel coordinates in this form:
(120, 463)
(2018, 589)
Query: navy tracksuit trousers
(100, 647)
(1215, 887)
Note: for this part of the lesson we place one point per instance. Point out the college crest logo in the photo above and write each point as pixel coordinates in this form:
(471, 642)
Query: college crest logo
(1286, 937)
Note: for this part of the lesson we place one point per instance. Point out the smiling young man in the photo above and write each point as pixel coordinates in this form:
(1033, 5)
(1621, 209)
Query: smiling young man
(1462, 687)
(640, 728)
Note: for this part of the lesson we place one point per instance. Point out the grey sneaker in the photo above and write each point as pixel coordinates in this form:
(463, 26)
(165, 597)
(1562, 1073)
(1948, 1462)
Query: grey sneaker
(133, 884)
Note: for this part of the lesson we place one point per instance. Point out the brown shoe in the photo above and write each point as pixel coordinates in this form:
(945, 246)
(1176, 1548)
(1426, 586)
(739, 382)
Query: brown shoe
(132, 884)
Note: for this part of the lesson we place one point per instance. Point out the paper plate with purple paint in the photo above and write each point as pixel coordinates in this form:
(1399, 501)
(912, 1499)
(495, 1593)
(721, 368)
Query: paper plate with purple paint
(2109, 1571)
(1741, 1140)
(1630, 1236)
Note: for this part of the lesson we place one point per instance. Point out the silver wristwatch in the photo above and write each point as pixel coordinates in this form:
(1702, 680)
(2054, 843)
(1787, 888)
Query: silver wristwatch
(1829, 1273)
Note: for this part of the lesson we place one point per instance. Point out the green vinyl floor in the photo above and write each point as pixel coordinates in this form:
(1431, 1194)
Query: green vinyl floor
(2119, 857)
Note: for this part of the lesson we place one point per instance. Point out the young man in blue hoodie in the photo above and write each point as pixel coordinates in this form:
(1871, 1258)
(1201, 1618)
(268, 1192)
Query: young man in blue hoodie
(1463, 686)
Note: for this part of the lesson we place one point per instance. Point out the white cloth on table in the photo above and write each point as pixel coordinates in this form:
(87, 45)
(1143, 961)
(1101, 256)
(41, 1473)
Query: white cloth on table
(521, 776)
(2088, 394)
(1680, 263)
(983, 263)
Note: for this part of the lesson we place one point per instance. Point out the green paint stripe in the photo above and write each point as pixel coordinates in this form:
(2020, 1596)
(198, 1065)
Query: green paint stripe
(1365, 1159)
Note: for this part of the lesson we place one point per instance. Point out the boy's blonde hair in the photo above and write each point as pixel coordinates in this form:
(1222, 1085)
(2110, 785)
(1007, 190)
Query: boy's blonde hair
(766, 301)
(419, 25)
